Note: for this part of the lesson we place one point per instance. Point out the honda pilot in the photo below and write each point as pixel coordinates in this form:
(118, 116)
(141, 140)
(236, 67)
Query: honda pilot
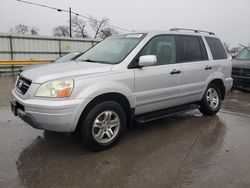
(125, 78)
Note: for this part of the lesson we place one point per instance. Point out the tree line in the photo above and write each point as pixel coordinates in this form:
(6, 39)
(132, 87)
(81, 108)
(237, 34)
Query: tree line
(100, 29)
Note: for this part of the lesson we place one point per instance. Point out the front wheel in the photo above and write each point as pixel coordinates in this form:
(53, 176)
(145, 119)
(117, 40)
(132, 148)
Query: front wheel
(211, 101)
(103, 125)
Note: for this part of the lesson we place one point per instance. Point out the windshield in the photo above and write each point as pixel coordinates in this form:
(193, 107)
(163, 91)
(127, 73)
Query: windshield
(244, 54)
(66, 57)
(112, 50)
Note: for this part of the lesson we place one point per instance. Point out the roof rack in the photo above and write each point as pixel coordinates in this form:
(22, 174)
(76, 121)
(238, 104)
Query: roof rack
(194, 30)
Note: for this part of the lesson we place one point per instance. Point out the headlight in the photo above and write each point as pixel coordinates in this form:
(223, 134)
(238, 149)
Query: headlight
(55, 89)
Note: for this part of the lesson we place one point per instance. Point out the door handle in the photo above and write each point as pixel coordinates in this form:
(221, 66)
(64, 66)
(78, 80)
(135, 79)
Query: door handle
(175, 71)
(208, 67)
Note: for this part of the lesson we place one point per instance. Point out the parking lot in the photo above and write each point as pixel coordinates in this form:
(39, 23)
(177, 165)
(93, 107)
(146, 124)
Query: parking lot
(186, 150)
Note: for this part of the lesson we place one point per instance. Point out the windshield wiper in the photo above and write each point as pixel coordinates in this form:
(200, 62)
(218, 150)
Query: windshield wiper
(88, 60)
(244, 47)
(94, 61)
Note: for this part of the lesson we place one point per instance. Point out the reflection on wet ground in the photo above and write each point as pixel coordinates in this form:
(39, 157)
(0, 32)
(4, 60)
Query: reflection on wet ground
(6, 83)
(238, 102)
(186, 150)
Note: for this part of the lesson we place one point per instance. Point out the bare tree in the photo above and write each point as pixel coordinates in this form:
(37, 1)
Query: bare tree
(97, 26)
(20, 29)
(34, 31)
(107, 32)
(61, 30)
(24, 30)
(79, 27)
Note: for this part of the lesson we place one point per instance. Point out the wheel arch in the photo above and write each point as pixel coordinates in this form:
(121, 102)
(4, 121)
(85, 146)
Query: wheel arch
(112, 96)
(219, 82)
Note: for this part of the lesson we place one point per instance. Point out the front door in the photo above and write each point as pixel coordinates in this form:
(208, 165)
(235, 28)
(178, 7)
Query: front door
(158, 87)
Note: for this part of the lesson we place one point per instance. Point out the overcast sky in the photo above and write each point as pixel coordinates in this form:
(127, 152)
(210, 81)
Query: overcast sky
(230, 19)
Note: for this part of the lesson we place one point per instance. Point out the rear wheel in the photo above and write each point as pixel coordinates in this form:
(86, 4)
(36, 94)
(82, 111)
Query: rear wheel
(103, 125)
(211, 101)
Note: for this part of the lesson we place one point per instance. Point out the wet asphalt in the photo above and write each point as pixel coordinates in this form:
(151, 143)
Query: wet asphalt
(186, 150)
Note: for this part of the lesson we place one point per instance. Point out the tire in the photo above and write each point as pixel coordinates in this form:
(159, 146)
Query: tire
(211, 100)
(103, 126)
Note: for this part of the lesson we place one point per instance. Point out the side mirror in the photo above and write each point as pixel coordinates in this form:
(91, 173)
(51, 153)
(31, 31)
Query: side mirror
(233, 57)
(147, 60)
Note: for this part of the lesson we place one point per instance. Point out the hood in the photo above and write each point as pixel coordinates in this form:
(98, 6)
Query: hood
(71, 69)
(242, 64)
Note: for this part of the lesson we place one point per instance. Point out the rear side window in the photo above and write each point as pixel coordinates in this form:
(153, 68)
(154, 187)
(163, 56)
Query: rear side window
(190, 48)
(216, 48)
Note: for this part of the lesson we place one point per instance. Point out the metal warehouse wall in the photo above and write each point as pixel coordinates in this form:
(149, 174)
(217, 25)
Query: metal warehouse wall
(16, 47)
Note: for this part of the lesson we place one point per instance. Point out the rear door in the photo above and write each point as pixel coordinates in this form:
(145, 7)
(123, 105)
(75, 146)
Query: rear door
(196, 67)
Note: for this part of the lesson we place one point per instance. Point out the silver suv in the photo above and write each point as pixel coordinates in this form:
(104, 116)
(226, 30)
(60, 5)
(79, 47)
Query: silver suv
(138, 76)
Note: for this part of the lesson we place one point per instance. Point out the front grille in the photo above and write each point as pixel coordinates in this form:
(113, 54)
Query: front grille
(245, 72)
(241, 72)
(236, 71)
(23, 85)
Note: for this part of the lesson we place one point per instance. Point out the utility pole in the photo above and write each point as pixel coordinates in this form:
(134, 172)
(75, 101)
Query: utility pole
(70, 30)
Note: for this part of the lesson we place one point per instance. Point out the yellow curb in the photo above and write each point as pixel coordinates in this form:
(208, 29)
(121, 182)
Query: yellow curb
(22, 62)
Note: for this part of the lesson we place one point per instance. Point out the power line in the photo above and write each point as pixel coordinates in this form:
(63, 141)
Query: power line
(45, 6)
(69, 11)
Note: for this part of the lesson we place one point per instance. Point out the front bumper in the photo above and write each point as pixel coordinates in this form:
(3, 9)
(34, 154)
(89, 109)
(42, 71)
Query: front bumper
(53, 115)
(241, 82)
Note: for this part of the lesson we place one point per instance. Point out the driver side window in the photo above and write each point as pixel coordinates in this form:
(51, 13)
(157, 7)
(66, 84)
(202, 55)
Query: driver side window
(163, 47)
